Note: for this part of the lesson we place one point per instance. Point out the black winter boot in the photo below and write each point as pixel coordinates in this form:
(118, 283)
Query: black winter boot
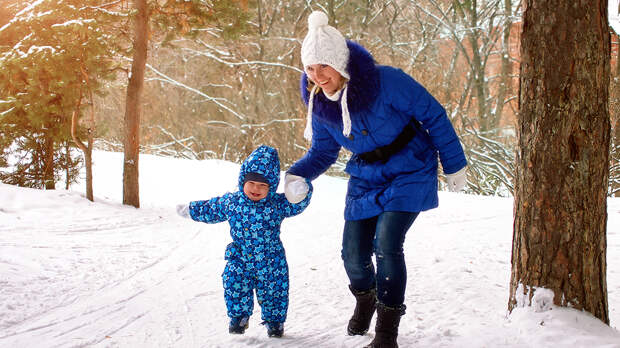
(238, 325)
(386, 329)
(275, 329)
(366, 303)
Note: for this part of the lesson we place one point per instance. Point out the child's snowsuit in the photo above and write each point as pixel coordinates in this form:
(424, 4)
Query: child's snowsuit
(256, 258)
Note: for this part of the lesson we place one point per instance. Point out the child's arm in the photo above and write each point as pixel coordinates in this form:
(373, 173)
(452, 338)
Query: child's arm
(211, 211)
(292, 209)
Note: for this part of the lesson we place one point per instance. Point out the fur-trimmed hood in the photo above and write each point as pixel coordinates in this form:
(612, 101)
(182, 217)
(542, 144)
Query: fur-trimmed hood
(363, 87)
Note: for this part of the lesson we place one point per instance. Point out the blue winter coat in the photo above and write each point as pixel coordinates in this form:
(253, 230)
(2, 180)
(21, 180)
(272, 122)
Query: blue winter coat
(382, 100)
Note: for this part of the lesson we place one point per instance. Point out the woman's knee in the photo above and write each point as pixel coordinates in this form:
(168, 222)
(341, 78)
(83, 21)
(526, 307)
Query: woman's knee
(389, 245)
(357, 243)
(354, 257)
(357, 260)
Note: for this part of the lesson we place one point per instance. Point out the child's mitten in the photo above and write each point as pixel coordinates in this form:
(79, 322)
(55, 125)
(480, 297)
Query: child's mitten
(183, 210)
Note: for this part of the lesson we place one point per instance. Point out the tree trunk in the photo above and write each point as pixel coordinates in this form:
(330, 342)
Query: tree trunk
(88, 159)
(477, 68)
(615, 116)
(506, 72)
(48, 161)
(86, 149)
(560, 207)
(67, 166)
(616, 162)
(131, 189)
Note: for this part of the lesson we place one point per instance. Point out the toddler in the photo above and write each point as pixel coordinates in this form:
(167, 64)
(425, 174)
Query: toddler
(255, 259)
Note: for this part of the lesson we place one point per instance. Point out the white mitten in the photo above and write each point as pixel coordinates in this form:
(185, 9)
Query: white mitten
(295, 188)
(183, 210)
(457, 181)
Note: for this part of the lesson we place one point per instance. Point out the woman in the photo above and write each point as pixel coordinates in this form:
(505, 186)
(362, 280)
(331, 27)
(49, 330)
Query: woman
(395, 130)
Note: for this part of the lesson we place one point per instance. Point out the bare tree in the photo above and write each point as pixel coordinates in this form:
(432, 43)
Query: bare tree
(478, 69)
(87, 148)
(560, 203)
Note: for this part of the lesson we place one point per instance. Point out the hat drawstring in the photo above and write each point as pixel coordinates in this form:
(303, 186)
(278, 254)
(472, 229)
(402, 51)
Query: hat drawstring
(346, 118)
(308, 130)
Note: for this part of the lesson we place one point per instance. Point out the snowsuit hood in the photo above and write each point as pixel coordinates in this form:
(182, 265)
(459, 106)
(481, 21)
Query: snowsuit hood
(264, 161)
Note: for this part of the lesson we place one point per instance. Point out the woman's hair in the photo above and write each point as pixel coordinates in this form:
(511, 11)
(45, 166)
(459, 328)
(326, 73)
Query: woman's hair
(310, 85)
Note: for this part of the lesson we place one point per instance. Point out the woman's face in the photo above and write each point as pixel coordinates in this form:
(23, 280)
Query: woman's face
(325, 77)
(255, 190)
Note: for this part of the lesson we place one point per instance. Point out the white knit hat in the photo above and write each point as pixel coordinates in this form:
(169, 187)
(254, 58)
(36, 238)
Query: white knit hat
(325, 45)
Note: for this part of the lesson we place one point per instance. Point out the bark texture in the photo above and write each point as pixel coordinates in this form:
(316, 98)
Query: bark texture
(133, 109)
(560, 208)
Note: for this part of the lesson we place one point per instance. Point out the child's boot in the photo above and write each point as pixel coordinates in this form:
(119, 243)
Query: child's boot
(275, 329)
(238, 325)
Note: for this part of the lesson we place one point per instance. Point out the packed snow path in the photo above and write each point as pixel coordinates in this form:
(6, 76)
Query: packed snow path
(82, 274)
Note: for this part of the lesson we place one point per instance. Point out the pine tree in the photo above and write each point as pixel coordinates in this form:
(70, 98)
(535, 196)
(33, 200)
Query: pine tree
(52, 49)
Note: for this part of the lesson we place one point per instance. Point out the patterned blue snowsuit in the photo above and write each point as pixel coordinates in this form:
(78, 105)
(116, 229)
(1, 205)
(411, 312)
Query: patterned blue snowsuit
(256, 258)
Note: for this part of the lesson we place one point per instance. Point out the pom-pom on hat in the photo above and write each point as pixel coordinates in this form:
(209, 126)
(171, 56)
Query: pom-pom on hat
(324, 45)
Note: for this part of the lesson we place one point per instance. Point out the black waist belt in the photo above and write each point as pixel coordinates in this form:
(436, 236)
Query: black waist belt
(383, 153)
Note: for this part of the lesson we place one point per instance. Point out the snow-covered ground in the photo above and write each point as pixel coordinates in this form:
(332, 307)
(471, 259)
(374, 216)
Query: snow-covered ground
(75, 273)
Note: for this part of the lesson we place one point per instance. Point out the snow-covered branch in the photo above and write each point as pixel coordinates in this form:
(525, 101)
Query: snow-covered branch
(232, 63)
(170, 80)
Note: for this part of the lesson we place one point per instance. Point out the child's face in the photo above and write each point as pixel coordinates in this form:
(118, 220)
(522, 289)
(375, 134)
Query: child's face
(255, 190)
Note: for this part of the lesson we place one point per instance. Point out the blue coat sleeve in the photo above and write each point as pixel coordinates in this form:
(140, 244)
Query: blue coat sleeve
(322, 154)
(289, 209)
(214, 210)
(410, 97)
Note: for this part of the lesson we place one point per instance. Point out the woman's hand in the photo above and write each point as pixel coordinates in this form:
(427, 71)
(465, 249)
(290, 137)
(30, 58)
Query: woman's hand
(457, 181)
(295, 188)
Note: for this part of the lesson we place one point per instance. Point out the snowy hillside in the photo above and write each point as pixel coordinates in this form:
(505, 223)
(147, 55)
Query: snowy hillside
(80, 274)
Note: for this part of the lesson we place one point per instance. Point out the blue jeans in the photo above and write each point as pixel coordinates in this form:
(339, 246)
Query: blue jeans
(384, 235)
